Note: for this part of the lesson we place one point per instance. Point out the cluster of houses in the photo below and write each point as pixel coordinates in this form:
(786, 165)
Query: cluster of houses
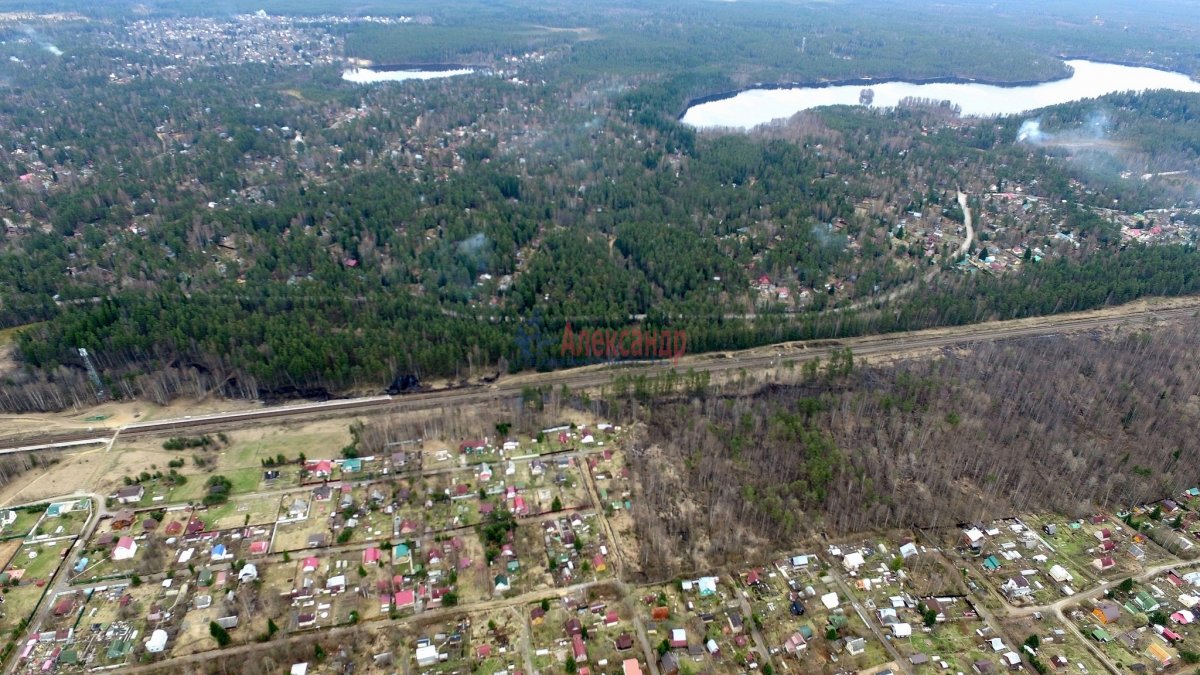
(1175, 595)
(565, 539)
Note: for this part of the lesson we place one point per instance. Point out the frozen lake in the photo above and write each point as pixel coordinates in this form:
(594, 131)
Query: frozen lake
(371, 76)
(1089, 79)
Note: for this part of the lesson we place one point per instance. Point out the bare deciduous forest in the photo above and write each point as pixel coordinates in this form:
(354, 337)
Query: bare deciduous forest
(1070, 424)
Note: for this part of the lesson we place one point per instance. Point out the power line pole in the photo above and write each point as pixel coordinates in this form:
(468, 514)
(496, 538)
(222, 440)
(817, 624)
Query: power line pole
(93, 374)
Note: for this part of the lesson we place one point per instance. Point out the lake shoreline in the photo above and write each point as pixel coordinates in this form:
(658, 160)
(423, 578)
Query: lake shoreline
(1075, 67)
(421, 67)
(404, 73)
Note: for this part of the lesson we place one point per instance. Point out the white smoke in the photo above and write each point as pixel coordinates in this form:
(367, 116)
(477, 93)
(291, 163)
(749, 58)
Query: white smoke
(1031, 132)
(41, 41)
(1094, 129)
(473, 245)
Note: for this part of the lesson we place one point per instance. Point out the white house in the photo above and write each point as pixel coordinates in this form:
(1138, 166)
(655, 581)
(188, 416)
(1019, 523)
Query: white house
(1016, 587)
(853, 561)
(157, 641)
(125, 550)
(248, 573)
(973, 537)
(902, 630)
(130, 494)
(427, 655)
(1060, 575)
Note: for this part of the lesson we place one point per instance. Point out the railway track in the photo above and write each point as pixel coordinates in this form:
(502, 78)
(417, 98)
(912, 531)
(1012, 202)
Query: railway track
(598, 376)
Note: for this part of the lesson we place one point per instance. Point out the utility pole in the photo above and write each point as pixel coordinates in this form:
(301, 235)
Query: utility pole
(93, 374)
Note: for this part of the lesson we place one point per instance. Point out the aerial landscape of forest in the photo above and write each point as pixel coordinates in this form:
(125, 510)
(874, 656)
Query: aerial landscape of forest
(667, 336)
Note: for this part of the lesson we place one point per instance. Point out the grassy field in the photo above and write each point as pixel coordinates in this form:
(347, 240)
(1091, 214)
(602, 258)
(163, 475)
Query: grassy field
(19, 603)
(241, 512)
(41, 565)
(239, 457)
(25, 521)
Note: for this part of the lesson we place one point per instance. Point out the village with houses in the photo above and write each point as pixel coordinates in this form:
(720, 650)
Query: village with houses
(517, 554)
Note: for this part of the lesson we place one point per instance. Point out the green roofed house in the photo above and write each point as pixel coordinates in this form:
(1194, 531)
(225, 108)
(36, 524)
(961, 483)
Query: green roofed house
(807, 632)
(352, 465)
(991, 564)
(400, 552)
(1075, 525)
(69, 657)
(117, 650)
(1146, 602)
(1101, 635)
(206, 577)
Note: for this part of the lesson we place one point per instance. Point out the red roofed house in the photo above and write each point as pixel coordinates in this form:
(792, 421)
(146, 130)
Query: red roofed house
(598, 563)
(126, 548)
(405, 599)
(578, 649)
(371, 556)
(1103, 534)
(320, 468)
(472, 446)
(631, 667)
(65, 606)
(259, 547)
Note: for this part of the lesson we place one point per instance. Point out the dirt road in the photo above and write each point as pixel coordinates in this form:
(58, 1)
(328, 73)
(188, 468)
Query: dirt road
(592, 377)
(966, 245)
